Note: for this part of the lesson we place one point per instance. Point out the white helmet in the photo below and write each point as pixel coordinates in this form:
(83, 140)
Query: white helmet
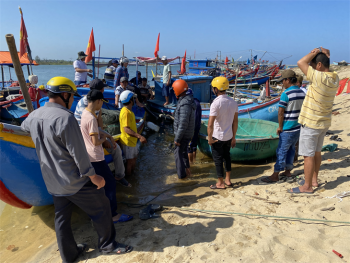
(126, 96)
(123, 60)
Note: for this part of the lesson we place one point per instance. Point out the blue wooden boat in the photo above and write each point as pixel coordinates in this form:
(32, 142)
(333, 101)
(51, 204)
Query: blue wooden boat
(21, 181)
(252, 110)
(14, 110)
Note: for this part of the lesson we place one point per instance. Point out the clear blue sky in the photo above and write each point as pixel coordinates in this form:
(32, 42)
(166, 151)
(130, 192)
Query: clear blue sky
(59, 29)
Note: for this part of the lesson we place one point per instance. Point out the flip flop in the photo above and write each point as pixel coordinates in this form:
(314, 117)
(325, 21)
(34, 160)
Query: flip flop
(296, 190)
(267, 180)
(214, 187)
(81, 248)
(123, 218)
(124, 182)
(229, 185)
(120, 249)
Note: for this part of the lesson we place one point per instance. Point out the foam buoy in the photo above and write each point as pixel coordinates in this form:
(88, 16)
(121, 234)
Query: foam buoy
(153, 126)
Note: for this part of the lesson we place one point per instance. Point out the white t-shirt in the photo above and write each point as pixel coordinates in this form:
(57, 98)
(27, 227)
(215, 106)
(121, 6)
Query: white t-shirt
(224, 108)
(80, 76)
(166, 71)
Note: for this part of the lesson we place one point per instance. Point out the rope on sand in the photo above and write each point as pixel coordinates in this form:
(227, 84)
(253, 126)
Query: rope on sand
(257, 215)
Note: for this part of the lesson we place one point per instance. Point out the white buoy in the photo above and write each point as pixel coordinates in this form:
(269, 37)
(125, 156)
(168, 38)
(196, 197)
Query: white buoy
(153, 126)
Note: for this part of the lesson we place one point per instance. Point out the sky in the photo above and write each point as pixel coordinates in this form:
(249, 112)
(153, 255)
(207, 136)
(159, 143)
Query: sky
(59, 29)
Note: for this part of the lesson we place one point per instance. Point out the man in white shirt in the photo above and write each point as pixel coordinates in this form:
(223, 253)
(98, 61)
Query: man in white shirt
(166, 80)
(81, 70)
(222, 128)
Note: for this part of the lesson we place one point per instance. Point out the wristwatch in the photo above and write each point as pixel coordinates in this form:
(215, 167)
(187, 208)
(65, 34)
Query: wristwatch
(320, 49)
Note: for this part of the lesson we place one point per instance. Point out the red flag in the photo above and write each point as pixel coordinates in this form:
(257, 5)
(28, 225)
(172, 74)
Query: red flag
(90, 47)
(157, 47)
(226, 60)
(23, 37)
(183, 64)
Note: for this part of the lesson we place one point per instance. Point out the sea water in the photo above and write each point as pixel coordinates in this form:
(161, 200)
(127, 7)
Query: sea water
(46, 72)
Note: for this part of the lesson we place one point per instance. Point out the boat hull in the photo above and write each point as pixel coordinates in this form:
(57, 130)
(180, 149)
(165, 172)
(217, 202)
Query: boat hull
(249, 149)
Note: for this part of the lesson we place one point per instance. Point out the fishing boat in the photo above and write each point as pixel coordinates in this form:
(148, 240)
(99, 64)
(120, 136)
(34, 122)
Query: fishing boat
(253, 109)
(13, 110)
(21, 181)
(255, 140)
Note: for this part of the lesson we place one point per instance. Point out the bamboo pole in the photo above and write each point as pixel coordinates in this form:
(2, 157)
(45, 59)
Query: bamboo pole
(234, 96)
(156, 66)
(19, 72)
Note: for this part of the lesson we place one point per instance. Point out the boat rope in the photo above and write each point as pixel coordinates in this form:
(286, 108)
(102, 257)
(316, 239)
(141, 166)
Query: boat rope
(266, 216)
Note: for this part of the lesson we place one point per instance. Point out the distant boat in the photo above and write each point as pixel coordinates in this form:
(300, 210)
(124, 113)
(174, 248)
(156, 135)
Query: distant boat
(341, 63)
(255, 140)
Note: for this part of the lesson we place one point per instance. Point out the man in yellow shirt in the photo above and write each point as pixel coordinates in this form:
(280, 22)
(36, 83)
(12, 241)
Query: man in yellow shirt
(128, 130)
(315, 114)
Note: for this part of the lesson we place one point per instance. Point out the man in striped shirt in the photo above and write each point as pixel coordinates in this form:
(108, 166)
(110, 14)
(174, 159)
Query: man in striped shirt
(289, 128)
(315, 115)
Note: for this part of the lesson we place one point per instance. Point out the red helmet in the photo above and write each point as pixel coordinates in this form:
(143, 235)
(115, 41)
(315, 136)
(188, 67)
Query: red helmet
(179, 87)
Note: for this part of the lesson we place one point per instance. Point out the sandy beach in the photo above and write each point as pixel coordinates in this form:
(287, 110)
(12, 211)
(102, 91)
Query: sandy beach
(180, 235)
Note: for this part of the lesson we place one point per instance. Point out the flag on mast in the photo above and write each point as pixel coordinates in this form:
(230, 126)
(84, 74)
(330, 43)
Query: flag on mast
(90, 47)
(183, 64)
(226, 60)
(157, 47)
(23, 39)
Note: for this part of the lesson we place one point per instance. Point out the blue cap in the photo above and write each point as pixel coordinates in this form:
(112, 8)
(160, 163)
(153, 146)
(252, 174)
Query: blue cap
(115, 61)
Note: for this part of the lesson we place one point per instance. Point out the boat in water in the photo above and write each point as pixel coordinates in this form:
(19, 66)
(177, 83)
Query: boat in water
(255, 140)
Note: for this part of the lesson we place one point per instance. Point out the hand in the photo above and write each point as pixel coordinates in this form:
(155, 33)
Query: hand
(315, 51)
(103, 137)
(114, 143)
(211, 141)
(326, 52)
(233, 143)
(90, 75)
(177, 144)
(89, 70)
(106, 145)
(279, 130)
(143, 139)
(98, 180)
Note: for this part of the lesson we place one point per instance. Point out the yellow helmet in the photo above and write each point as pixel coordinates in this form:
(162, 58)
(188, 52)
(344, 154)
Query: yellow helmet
(221, 83)
(61, 84)
(42, 87)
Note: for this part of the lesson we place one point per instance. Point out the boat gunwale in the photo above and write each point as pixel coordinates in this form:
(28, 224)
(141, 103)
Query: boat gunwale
(203, 136)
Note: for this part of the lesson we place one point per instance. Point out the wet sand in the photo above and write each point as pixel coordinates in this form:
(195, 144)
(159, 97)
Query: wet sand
(190, 236)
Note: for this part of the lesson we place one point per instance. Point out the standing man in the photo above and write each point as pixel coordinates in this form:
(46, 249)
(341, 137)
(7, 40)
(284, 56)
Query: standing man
(124, 85)
(166, 80)
(81, 70)
(110, 70)
(192, 148)
(110, 145)
(222, 128)
(315, 115)
(128, 131)
(121, 71)
(289, 128)
(139, 79)
(184, 122)
(68, 173)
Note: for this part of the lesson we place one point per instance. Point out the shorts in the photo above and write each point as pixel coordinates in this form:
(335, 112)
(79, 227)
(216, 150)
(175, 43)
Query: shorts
(311, 140)
(165, 91)
(130, 152)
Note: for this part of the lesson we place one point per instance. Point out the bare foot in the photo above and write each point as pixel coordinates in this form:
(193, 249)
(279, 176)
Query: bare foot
(166, 103)
(117, 217)
(218, 186)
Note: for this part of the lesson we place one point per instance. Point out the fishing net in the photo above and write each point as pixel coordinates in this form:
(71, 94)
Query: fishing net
(110, 120)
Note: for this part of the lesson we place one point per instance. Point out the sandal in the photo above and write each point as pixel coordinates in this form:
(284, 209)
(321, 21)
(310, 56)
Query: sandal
(296, 190)
(214, 187)
(120, 249)
(123, 182)
(123, 218)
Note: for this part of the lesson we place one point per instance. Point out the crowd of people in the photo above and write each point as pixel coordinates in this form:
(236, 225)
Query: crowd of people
(65, 141)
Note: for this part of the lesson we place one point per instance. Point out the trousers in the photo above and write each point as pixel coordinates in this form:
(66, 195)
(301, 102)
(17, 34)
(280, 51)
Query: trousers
(181, 158)
(96, 205)
(221, 155)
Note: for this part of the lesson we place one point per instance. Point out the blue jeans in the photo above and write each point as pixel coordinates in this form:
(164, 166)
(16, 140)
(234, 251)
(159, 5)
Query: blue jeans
(286, 150)
(166, 90)
(79, 82)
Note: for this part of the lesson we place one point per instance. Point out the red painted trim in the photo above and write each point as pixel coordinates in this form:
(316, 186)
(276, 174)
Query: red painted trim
(8, 197)
(17, 99)
(25, 115)
(260, 106)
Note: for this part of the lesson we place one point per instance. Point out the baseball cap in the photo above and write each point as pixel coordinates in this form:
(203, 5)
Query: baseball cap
(164, 58)
(95, 95)
(288, 73)
(122, 79)
(97, 84)
(115, 61)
